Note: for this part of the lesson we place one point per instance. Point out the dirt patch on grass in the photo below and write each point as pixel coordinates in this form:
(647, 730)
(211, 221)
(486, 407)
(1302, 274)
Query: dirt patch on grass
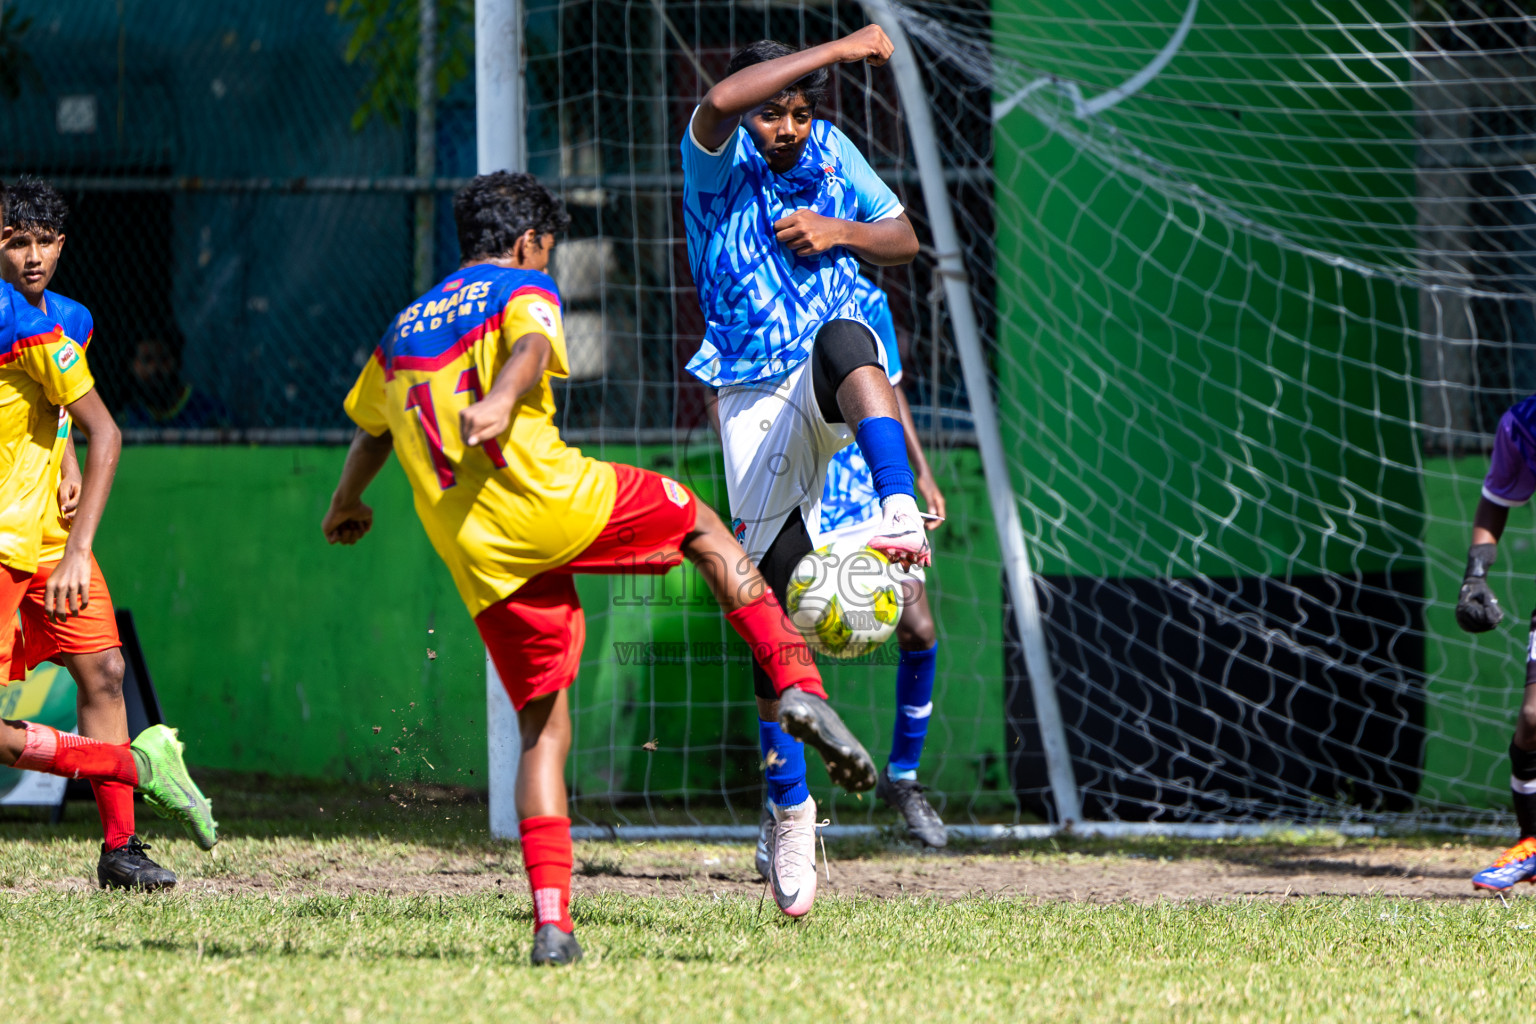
(1203, 873)
(1095, 878)
(1400, 872)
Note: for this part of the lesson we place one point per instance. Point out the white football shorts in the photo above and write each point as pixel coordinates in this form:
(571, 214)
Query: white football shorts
(776, 451)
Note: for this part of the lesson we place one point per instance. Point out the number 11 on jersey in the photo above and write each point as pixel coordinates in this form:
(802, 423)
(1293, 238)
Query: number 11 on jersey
(419, 398)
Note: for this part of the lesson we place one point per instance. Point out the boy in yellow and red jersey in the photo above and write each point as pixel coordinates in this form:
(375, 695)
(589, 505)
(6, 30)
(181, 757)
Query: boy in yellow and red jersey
(43, 372)
(87, 644)
(459, 388)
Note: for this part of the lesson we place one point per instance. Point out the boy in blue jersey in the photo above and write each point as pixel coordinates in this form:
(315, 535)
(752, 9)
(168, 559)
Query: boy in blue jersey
(87, 643)
(779, 208)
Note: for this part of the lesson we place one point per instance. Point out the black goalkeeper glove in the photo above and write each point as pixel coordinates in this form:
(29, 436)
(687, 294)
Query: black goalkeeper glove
(1477, 610)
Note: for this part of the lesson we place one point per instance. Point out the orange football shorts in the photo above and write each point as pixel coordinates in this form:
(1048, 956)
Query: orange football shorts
(39, 640)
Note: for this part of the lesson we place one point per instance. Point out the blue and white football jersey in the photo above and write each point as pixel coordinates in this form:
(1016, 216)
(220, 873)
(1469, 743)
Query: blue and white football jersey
(850, 497)
(762, 303)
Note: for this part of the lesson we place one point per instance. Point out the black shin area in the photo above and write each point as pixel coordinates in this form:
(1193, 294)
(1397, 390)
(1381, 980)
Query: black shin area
(842, 346)
(1522, 765)
(777, 566)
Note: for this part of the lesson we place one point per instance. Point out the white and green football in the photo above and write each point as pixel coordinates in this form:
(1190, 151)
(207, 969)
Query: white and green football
(844, 598)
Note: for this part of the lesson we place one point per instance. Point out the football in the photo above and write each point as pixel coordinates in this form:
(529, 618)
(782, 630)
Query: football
(844, 598)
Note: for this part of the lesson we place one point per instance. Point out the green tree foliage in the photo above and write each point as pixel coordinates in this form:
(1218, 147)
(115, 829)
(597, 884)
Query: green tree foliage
(383, 39)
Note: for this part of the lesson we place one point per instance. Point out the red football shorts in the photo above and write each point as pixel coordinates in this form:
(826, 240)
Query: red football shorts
(534, 637)
(39, 640)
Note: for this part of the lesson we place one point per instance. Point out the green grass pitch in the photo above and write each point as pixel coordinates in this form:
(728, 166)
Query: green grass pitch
(346, 908)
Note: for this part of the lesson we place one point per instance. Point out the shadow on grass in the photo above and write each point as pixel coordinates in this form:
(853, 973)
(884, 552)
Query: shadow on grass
(216, 950)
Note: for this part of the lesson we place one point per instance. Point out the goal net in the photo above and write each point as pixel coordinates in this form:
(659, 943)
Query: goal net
(1254, 283)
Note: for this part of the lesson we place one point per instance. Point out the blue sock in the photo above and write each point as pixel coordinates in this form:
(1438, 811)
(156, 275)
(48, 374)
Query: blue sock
(914, 706)
(884, 446)
(785, 768)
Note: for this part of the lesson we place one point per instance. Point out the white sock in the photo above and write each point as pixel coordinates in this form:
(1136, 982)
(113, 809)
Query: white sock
(899, 503)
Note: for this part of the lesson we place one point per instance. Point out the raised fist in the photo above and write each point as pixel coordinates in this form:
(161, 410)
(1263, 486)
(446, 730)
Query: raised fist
(869, 43)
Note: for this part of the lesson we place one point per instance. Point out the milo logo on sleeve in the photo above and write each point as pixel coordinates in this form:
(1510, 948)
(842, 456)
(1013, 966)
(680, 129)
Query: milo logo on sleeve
(67, 355)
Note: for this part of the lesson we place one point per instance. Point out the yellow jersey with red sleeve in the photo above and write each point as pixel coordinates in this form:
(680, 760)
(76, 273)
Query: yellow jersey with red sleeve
(78, 324)
(506, 510)
(41, 371)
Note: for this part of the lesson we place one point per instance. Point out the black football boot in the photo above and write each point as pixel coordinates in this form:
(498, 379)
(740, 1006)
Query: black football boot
(129, 867)
(554, 948)
(906, 797)
(811, 720)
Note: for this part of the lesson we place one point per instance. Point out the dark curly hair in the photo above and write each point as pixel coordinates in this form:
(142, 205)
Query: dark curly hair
(494, 210)
(33, 203)
(813, 86)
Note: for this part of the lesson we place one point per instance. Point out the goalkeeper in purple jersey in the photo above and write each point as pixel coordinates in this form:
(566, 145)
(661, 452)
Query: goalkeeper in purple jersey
(1510, 483)
(779, 208)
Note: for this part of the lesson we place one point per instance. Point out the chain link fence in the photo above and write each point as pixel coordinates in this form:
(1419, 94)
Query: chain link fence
(245, 182)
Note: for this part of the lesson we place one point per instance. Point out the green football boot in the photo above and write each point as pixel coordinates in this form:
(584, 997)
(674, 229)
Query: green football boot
(167, 787)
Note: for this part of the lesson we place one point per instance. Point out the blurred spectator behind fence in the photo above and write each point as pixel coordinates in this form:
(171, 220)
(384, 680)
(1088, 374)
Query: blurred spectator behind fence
(158, 397)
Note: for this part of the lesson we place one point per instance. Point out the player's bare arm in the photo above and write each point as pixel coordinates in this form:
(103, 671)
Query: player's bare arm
(68, 589)
(1477, 610)
(524, 368)
(69, 480)
(884, 243)
(921, 471)
(348, 519)
(721, 110)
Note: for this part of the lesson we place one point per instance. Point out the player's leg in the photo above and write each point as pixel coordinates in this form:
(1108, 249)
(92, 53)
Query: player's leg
(535, 638)
(124, 861)
(544, 826)
(100, 714)
(32, 746)
(1522, 756)
(655, 523)
(1518, 863)
(788, 857)
(793, 695)
(777, 442)
(152, 763)
(852, 387)
(917, 640)
(88, 645)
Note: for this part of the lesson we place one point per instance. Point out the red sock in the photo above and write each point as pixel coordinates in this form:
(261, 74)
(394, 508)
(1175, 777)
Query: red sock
(114, 802)
(777, 645)
(75, 757)
(547, 855)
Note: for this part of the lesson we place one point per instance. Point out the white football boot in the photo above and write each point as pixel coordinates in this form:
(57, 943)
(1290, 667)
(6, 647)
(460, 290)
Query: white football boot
(792, 867)
(902, 538)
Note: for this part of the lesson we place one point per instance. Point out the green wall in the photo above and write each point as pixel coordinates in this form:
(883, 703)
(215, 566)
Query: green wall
(275, 652)
(1189, 397)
